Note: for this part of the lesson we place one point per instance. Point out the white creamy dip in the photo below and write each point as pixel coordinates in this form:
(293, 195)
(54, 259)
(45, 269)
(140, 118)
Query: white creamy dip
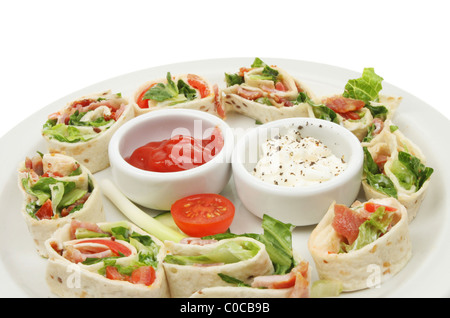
(295, 161)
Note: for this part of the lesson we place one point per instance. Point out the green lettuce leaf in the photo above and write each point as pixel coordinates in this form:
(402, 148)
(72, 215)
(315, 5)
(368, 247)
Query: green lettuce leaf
(233, 79)
(378, 111)
(161, 92)
(75, 120)
(65, 133)
(277, 237)
(365, 88)
(375, 179)
(186, 90)
(228, 253)
(371, 230)
(258, 63)
(410, 171)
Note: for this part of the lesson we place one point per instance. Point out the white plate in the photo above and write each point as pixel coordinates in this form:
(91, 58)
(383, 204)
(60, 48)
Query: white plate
(426, 275)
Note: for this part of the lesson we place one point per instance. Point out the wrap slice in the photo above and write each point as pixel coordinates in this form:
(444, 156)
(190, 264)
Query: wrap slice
(106, 259)
(82, 129)
(295, 284)
(265, 93)
(362, 245)
(189, 91)
(191, 267)
(273, 272)
(395, 167)
(359, 107)
(57, 189)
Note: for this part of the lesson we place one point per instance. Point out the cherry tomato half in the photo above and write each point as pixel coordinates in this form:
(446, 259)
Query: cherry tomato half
(203, 214)
(372, 207)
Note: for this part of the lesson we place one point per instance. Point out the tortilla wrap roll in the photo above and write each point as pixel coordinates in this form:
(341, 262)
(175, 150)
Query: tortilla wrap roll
(57, 189)
(189, 91)
(191, 267)
(107, 260)
(295, 284)
(358, 121)
(358, 106)
(83, 128)
(395, 167)
(265, 93)
(361, 246)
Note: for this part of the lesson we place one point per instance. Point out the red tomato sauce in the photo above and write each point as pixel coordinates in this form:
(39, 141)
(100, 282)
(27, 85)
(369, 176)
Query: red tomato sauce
(177, 153)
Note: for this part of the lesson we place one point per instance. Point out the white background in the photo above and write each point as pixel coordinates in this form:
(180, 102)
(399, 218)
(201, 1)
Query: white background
(50, 49)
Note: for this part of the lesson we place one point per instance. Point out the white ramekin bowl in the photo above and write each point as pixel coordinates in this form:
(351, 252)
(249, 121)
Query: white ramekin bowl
(297, 205)
(158, 190)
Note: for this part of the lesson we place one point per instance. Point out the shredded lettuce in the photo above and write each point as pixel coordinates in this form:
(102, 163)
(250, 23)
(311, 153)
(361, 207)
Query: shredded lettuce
(371, 230)
(65, 133)
(227, 253)
(61, 193)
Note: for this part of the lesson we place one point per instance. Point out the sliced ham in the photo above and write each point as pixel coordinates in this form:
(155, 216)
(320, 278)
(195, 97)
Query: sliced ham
(75, 224)
(197, 241)
(248, 94)
(297, 279)
(341, 104)
(80, 252)
(346, 222)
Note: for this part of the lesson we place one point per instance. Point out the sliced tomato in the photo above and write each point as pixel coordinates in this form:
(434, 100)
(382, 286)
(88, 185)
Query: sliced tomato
(279, 86)
(113, 273)
(196, 82)
(372, 207)
(45, 212)
(83, 102)
(203, 214)
(244, 70)
(143, 103)
(248, 94)
(143, 275)
(116, 247)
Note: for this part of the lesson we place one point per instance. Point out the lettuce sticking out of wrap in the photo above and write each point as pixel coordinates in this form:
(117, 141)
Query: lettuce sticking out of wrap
(56, 189)
(277, 238)
(189, 91)
(111, 259)
(359, 105)
(83, 127)
(394, 167)
(349, 243)
(265, 93)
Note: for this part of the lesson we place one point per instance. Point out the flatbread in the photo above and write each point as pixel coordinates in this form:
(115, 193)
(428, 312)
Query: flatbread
(185, 280)
(206, 104)
(302, 291)
(366, 267)
(92, 210)
(233, 101)
(68, 279)
(389, 144)
(360, 127)
(92, 153)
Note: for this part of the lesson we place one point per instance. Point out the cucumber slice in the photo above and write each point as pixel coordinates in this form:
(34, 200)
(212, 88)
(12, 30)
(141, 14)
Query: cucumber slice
(82, 233)
(167, 219)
